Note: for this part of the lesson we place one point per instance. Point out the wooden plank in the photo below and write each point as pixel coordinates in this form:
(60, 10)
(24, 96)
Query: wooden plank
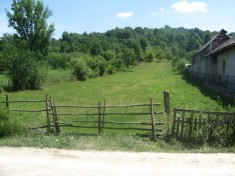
(178, 127)
(103, 117)
(56, 120)
(47, 114)
(105, 114)
(114, 106)
(99, 118)
(204, 112)
(191, 125)
(152, 119)
(21, 110)
(195, 125)
(173, 125)
(23, 101)
(182, 125)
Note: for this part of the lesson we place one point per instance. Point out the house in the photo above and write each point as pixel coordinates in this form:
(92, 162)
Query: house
(202, 62)
(214, 63)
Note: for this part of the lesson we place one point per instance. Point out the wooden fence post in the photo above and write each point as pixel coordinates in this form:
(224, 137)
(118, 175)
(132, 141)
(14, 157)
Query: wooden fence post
(173, 125)
(167, 102)
(99, 118)
(102, 127)
(191, 125)
(167, 108)
(152, 119)
(48, 115)
(7, 102)
(56, 120)
(182, 126)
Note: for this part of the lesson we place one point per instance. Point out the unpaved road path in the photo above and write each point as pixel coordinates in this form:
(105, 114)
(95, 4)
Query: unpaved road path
(54, 162)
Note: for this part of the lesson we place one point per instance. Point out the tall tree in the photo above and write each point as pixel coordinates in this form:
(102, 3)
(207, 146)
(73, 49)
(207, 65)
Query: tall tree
(28, 18)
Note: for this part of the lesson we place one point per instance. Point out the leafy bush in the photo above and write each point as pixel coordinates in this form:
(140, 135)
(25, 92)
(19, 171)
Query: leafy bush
(98, 64)
(58, 60)
(9, 125)
(117, 63)
(80, 69)
(149, 56)
(180, 65)
(25, 72)
(111, 69)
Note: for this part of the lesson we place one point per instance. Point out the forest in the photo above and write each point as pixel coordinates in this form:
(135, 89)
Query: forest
(96, 54)
(26, 55)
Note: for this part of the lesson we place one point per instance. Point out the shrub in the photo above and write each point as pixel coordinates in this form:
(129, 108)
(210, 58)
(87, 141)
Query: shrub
(117, 63)
(25, 72)
(180, 65)
(111, 69)
(80, 69)
(9, 125)
(149, 57)
(58, 60)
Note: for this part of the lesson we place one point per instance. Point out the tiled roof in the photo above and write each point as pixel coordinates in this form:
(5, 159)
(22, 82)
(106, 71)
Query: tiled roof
(222, 31)
(226, 45)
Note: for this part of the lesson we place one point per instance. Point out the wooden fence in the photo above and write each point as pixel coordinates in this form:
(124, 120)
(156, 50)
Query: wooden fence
(60, 119)
(44, 107)
(102, 111)
(190, 124)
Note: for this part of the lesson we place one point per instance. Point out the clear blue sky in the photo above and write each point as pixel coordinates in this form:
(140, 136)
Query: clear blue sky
(101, 15)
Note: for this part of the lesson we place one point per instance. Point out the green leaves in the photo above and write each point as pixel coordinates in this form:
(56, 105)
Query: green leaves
(28, 18)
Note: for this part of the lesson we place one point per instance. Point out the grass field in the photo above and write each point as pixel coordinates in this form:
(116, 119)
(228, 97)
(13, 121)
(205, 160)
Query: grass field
(136, 86)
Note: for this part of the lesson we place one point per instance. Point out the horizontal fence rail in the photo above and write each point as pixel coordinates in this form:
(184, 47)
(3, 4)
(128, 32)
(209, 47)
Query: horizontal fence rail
(101, 114)
(44, 107)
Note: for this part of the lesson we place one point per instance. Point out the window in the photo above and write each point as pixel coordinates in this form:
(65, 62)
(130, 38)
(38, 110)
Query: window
(223, 67)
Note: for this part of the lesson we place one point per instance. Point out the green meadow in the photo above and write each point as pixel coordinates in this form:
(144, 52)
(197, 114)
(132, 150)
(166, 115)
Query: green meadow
(132, 87)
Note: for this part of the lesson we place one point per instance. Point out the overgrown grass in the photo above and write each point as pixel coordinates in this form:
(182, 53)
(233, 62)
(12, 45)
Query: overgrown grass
(136, 86)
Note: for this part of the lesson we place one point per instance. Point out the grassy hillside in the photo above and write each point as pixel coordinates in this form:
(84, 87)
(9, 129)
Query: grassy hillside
(136, 86)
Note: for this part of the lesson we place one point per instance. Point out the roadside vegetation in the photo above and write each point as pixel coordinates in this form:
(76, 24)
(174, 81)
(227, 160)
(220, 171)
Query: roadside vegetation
(137, 86)
(129, 66)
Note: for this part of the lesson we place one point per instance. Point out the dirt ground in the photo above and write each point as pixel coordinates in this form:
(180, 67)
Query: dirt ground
(48, 162)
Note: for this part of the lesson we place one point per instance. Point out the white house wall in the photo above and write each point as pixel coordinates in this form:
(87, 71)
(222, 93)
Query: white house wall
(229, 58)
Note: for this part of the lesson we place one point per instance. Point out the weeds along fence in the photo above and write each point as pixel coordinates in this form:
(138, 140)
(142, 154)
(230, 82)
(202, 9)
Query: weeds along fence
(105, 116)
(205, 126)
(47, 114)
(36, 118)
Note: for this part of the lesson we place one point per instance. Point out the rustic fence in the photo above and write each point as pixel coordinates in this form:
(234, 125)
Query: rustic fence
(43, 107)
(193, 124)
(102, 111)
(73, 116)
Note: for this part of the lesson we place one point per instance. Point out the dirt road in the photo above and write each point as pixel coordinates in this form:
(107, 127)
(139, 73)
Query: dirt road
(48, 162)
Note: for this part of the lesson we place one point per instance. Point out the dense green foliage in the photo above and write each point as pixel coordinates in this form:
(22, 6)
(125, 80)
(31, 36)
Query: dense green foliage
(118, 49)
(9, 125)
(28, 18)
(135, 45)
(22, 53)
(87, 55)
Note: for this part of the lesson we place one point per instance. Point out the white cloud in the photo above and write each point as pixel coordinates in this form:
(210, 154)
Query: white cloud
(124, 14)
(189, 7)
(162, 10)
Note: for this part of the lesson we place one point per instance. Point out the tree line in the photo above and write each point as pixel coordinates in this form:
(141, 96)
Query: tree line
(25, 55)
